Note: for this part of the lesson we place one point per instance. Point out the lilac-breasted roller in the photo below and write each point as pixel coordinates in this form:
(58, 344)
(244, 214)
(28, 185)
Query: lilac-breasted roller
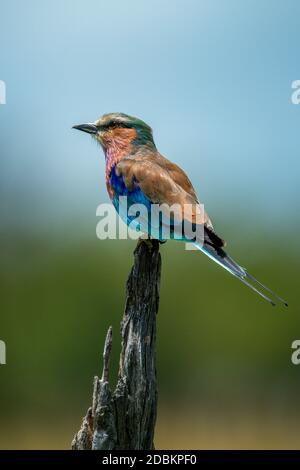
(135, 169)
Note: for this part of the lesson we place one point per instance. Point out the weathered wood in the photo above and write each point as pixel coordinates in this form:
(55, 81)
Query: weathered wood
(125, 419)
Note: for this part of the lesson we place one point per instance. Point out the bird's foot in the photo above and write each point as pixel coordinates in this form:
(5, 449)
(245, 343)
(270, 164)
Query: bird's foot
(147, 241)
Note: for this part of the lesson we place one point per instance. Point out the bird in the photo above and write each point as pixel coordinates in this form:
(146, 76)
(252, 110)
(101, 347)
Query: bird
(136, 169)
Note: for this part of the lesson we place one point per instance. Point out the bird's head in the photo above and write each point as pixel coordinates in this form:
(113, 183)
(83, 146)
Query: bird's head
(119, 130)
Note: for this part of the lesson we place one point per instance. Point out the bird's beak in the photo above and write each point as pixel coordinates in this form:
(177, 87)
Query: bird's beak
(89, 128)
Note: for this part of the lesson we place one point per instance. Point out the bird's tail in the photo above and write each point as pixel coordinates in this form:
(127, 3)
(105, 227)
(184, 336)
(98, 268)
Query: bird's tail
(220, 257)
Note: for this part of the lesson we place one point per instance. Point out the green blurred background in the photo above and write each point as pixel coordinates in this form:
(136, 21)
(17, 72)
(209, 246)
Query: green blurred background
(214, 80)
(224, 370)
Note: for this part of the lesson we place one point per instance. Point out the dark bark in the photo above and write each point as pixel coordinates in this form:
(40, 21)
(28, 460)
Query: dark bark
(125, 419)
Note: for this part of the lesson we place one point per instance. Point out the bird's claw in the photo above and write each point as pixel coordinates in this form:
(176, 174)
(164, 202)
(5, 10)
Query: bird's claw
(149, 242)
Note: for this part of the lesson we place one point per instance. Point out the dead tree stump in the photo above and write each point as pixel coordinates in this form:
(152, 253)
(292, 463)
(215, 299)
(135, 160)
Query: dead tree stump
(125, 419)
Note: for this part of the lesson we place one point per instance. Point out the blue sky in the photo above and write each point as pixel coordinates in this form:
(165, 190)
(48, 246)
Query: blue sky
(213, 78)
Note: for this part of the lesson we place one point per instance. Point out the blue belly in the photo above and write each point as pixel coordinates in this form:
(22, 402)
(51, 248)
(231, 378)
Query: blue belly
(136, 196)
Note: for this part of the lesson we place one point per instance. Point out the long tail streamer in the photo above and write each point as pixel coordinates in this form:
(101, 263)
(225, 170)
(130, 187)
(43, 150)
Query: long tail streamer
(220, 257)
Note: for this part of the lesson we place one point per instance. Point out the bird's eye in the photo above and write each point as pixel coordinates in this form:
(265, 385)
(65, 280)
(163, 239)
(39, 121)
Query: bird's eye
(113, 125)
(106, 127)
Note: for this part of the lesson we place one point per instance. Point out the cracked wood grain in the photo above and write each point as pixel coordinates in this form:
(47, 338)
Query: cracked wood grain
(125, 418)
